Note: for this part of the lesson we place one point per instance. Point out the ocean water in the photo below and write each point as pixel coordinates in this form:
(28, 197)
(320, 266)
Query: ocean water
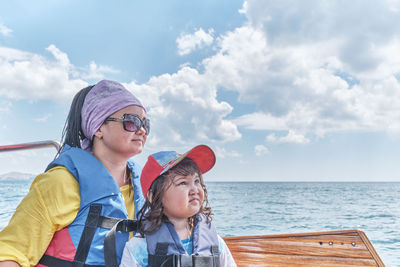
(277, 207)
(254, 208)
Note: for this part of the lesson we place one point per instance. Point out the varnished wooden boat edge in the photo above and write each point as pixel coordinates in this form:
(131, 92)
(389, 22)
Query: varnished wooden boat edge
(350, 232)
(333, 232)
(371, 248)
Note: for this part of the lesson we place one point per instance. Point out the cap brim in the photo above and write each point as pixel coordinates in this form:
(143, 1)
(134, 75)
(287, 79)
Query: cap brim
(203, 156)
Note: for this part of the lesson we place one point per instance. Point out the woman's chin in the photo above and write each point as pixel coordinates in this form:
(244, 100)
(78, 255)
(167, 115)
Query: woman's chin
(136, 147)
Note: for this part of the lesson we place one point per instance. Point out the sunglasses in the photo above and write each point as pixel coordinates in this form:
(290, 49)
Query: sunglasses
(132, 123)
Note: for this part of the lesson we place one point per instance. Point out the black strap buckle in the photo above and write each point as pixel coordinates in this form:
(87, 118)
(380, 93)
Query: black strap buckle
(182, 261)
(128, 226)
(110, 254)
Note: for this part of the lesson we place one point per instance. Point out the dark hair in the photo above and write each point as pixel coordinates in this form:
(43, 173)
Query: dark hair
(151, 214)
(72, 133)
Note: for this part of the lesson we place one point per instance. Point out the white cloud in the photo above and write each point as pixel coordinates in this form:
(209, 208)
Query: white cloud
(43, 118)
(393, 5)
(291, 137)
(261, 121)
(184, 110)
(4, 30)
(221, 152)
(313, 70)
(5, 106)
(307, 68)
(61, 57)
(187, 43)
(183, 106)
(32, 76)
(96, 72)
(261, 150)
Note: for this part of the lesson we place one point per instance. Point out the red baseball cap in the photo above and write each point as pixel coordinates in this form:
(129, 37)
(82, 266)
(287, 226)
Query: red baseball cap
(160, 162)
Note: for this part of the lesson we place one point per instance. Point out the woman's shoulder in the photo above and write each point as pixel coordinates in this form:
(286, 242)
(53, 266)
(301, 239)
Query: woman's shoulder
(54, 177)
(58, 185)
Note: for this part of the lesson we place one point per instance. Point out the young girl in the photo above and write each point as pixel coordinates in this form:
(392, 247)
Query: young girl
(175, 221)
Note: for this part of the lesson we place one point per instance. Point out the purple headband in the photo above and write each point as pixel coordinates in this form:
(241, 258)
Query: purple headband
(104, 99)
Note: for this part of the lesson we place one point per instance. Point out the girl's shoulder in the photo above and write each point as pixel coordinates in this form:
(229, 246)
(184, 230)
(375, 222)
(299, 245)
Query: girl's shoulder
(221, 244)
(137, 242)
(225, 257)
(137, 247)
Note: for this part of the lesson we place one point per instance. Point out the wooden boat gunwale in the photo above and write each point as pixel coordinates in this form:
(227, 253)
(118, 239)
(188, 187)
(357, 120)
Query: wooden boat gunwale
(242, 245)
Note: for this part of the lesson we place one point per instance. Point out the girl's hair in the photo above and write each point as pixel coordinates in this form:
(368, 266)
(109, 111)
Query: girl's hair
(72, 134)
(151, 214)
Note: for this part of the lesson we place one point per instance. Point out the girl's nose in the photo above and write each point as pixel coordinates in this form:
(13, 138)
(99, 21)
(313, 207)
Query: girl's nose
(194, 189)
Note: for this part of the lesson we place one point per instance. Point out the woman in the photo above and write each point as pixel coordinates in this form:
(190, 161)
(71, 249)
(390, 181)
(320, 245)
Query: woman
(89, 186)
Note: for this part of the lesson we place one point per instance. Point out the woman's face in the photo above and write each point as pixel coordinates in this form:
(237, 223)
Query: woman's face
(117, 140)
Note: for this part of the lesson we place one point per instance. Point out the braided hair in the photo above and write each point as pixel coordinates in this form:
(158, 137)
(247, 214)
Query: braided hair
(72, 133)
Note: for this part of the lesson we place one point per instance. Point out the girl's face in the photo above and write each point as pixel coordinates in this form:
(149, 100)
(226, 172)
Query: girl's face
(119, 141)
(183, 198)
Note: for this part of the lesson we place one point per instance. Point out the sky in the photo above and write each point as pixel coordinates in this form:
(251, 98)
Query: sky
(280, 90)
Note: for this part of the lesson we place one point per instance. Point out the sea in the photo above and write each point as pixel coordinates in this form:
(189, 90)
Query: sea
(259, 208)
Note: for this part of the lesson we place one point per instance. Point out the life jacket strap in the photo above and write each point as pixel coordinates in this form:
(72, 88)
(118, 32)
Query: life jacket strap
(110, 251)
(92, 221)
(161, 259)
(51, 261)
(82, 251)
(109, 222)
(183, 261)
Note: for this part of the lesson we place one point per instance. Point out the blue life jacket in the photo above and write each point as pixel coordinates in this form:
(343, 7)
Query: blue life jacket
(166, 249)
(101, 208)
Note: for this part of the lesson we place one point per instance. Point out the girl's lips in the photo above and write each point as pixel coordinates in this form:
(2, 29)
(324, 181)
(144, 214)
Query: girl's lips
(194, 199)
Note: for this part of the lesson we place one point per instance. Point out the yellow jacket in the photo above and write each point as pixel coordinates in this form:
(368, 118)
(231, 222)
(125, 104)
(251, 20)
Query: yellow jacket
(51, 204)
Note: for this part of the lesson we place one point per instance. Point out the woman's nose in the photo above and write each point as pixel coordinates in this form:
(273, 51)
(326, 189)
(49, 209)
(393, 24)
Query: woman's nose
(141, 131)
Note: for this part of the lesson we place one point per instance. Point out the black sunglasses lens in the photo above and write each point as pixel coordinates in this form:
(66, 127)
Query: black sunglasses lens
(132, 123)
(130, 126)
(146, 126)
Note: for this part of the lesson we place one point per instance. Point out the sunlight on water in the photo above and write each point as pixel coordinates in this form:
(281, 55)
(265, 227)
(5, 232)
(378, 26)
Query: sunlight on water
(11, 193)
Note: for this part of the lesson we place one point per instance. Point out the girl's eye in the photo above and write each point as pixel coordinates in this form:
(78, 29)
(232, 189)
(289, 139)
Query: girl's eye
(182, 183)
(197, 181)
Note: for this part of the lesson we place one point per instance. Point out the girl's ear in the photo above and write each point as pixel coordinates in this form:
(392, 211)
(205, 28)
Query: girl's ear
(150, 196)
